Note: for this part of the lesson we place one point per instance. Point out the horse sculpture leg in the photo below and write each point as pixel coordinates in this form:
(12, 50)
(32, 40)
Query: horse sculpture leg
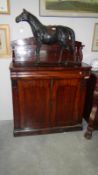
(38, 52)
(61, 53)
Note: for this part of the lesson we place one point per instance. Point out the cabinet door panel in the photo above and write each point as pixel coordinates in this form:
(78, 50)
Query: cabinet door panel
(66, 98)
(34, 99)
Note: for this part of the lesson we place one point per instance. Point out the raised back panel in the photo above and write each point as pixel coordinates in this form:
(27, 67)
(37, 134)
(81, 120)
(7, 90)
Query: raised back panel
(24, 51)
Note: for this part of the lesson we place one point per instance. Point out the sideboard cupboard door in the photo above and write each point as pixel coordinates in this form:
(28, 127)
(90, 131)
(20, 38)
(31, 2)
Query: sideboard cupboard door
(67, 102)
(47, 104)
(34, 103)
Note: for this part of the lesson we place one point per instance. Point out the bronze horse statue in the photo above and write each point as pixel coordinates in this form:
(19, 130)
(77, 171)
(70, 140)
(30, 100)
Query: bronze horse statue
(48, 34)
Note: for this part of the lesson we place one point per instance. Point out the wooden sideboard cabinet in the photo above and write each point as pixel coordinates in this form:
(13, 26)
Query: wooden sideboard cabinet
(91, 104)
(47, 97)
(96, 99)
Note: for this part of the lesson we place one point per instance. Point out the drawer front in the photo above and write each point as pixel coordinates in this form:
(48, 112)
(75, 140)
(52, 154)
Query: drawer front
(52, 74)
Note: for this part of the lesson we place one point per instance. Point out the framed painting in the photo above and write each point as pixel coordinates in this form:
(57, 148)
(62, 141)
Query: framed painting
(95, 39)
(69, 8)
(5, 50)
(4, 7)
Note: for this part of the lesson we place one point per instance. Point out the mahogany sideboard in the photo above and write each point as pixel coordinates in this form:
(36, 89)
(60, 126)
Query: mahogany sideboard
(47, 97)
(91, 104)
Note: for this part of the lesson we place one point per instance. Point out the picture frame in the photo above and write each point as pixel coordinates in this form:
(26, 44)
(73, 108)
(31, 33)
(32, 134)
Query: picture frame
(65, 8)
(5, 50)
(95, 38)
(4, 6)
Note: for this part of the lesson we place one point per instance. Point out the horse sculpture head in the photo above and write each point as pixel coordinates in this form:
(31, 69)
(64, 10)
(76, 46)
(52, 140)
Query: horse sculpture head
(22, 17)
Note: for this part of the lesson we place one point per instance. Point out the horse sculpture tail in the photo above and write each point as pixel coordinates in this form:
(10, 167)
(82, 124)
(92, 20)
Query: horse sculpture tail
(72, 43)
(72, 36)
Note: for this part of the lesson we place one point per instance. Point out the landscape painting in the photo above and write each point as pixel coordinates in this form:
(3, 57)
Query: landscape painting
(78, 8)
(5, 51)
(95, 39)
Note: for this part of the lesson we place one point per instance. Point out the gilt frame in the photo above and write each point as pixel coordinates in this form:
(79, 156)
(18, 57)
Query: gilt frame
(5, 50)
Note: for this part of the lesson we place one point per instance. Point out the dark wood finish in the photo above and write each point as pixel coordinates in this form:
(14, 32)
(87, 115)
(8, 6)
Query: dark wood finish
(47, 97)
(24, 51)
(91, 105)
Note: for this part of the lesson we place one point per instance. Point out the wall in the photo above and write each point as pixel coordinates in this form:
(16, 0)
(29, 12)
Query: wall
(83, 28)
